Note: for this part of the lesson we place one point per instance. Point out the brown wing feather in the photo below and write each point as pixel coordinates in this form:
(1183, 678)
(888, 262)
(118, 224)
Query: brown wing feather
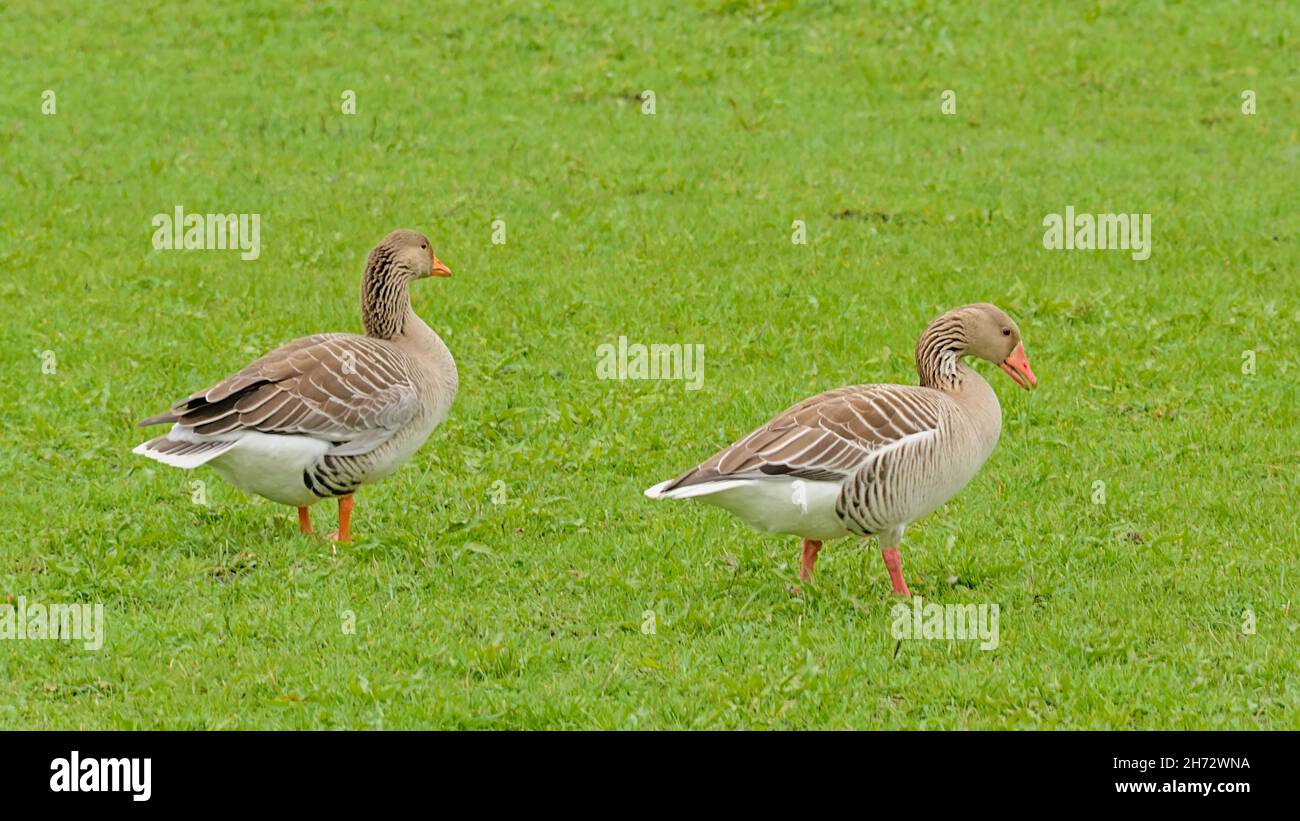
(826, 437)
(336, 386)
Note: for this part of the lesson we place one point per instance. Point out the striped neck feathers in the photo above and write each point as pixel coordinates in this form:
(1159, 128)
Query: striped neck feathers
(385, 298)
(939, 352)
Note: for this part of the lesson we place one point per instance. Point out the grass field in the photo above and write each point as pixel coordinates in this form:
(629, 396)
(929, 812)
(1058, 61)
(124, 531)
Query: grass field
(1170, 604)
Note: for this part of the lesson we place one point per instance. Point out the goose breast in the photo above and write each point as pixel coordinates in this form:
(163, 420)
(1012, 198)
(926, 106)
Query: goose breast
(919, 472)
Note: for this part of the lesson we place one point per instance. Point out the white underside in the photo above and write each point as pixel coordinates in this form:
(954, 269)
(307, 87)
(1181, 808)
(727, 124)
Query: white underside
(777, 504)
(271, 465)
(268, 464)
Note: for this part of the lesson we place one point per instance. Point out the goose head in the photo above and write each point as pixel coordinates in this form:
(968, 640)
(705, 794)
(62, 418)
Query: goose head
(981, 330)
(994, 336)
(409, 254)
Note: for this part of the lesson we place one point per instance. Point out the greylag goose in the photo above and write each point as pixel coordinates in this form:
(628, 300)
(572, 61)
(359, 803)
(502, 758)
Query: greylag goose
(870, 459)
(325, 414)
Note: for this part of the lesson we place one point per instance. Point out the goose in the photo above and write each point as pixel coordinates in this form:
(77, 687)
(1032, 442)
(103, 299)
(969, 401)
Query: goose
(323, 415)
(869, 460)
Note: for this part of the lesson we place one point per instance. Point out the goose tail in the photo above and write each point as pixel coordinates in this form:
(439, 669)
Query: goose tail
(182, 454)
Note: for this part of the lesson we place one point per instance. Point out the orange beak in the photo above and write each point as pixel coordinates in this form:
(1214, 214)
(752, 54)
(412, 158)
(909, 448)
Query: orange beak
(1017, 367)
(439, 269)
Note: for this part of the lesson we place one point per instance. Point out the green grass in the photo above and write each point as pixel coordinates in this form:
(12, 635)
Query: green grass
(666, 228)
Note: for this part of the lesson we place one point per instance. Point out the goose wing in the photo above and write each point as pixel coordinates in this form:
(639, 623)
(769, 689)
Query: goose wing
(827, 437)
(352, 391)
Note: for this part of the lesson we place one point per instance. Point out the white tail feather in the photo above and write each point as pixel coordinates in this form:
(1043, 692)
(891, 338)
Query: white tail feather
(188, 458)
(691, 491)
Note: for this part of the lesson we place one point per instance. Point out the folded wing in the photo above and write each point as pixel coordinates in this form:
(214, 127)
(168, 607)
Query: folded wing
(825, 438)
(352, 391)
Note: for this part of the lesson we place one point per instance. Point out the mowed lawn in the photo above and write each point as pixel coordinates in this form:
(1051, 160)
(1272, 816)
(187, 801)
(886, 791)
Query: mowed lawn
(1164, 597)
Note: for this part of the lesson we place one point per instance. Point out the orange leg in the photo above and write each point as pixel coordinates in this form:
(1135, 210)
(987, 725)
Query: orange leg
(810, 548)
(894, 563)
(304, 520)
(344, 533)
